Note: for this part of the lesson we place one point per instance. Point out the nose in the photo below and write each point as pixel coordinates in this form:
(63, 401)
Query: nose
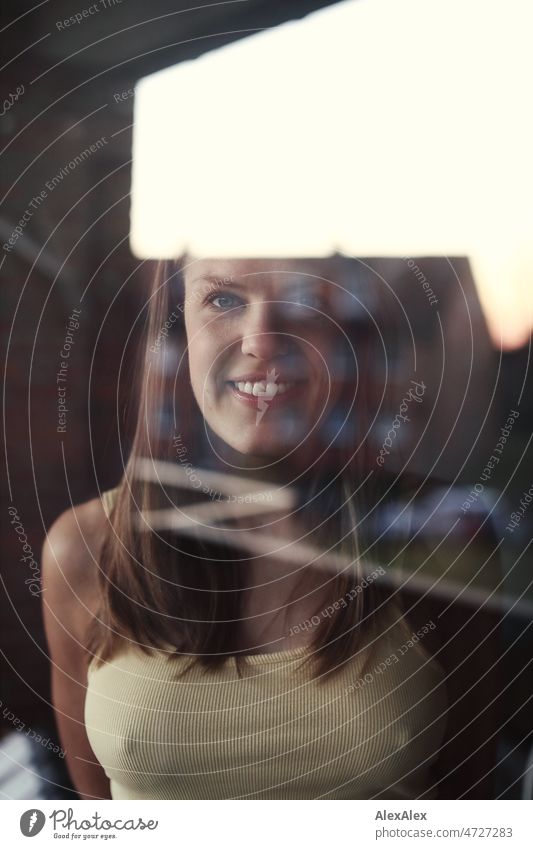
(262, 335)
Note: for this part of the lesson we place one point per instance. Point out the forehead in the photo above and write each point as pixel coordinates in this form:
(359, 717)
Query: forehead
(252, 270)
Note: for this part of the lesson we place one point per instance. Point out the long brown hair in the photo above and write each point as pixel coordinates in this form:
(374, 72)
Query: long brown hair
(162, 588)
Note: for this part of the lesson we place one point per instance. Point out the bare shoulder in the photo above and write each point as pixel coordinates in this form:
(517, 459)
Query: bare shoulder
(70, 561)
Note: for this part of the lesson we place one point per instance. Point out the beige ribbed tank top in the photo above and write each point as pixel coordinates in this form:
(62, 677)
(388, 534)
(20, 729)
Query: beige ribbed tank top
(275, 733)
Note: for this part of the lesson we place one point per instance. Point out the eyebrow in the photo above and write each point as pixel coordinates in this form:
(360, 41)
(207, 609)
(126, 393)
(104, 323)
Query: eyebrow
(219, 279)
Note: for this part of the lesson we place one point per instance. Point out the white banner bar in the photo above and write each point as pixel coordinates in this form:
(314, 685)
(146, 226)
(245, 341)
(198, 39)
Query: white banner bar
(240, 823)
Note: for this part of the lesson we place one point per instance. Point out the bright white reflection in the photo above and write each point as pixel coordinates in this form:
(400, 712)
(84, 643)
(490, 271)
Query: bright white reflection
(371, 128)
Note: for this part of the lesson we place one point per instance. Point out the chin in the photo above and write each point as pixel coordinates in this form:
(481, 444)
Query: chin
(253, 448)
(261, 443)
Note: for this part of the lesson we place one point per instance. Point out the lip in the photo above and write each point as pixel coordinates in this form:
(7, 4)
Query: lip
(277, 401)
(254, 377)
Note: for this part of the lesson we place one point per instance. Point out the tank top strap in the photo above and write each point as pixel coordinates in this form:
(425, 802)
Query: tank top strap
(108, 499)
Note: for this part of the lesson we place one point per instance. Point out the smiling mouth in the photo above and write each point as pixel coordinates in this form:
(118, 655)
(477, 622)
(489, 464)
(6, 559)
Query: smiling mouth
(261, 391)
(263, 388)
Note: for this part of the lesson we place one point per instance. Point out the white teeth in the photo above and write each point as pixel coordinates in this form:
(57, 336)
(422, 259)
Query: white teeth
(261, 387)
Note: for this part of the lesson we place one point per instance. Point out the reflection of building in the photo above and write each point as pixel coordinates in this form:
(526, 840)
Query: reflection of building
(433, 332)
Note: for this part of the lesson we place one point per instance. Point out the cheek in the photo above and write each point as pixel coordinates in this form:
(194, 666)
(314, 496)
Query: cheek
(198, 365)
(209, 347)
(197, 344)
(203, 369)
(320, 350)
(330, 366)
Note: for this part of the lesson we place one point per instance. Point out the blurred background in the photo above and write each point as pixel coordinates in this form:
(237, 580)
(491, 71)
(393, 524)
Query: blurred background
(66, 131)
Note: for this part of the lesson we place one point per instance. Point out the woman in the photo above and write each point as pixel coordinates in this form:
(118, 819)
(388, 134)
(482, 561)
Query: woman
(219, 624)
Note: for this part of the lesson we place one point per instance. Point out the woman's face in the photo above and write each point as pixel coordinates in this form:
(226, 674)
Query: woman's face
(261, 335)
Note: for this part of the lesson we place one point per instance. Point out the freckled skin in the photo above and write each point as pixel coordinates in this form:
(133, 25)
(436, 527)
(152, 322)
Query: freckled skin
(256, 316)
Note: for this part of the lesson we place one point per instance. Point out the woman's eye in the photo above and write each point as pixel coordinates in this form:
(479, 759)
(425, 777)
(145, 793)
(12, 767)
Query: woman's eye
(223, 302)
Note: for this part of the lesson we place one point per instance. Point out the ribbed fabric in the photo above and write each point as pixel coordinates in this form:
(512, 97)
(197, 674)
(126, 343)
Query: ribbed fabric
(274, 734)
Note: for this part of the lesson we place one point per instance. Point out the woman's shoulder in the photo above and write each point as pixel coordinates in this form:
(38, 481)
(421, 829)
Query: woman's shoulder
(73, 543)
(108, 498)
